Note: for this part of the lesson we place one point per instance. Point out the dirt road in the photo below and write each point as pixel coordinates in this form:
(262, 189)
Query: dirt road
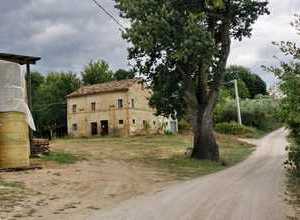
(251, 190)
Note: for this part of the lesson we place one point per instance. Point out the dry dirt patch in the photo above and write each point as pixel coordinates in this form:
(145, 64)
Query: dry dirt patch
(112, 170)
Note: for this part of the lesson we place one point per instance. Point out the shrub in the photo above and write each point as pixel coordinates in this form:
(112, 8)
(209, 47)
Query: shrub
(184, 125)
(168, 133)
(258, 113)
(234, 129)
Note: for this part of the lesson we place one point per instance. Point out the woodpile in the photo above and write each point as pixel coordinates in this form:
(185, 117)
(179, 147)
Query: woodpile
(39, 147)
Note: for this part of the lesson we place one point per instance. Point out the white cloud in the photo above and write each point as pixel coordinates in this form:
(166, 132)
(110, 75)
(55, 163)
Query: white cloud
(258, 50)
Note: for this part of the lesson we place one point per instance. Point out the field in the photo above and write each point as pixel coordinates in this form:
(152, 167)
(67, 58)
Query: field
(82, 175)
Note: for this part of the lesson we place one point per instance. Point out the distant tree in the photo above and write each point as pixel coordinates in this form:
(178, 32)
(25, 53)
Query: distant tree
(182, 46)
(121, 74)
(243, 90)
(96, 72)
(37, 79)
(50, 107)
(253, 82)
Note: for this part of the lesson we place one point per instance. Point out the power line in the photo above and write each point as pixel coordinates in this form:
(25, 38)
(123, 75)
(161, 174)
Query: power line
(109, 14)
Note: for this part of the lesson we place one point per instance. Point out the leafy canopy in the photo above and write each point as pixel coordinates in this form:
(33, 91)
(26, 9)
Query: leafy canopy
(121, 74)
(182, 46)
(96, 72)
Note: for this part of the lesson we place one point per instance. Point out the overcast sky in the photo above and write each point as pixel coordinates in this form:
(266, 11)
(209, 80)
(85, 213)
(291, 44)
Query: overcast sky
(69, 33)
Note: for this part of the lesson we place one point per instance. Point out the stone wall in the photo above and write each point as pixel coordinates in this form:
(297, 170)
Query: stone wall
(136, 116)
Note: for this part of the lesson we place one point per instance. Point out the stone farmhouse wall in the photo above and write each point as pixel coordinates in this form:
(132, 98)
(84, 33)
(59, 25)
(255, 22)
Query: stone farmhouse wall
(135, 116)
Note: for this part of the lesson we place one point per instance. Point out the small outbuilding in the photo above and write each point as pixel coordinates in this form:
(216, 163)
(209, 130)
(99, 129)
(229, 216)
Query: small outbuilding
(15, 106)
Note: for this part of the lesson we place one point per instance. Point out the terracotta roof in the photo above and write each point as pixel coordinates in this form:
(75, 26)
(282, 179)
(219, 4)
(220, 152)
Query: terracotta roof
(113, 86)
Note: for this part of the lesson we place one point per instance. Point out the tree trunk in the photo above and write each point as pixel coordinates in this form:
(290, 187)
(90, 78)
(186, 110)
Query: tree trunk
(205, 144)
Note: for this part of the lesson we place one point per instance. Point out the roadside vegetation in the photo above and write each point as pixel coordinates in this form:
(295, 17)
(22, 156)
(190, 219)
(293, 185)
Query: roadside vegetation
(259, 116)
(289, 74)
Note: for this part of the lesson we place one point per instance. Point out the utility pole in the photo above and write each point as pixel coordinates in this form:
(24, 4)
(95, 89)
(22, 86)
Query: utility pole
(237, 98)
(29, 97)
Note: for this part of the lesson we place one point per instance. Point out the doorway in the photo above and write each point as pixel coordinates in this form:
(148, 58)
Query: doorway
(94, 128)
(104, 127)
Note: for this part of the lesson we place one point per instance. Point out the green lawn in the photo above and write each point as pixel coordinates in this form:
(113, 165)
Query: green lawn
(161, 152)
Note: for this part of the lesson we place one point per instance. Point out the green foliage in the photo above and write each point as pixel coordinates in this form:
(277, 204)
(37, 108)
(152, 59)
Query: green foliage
(184, 125)
(249, 83)
(49, 103)
(234, 129)
(168, 133)
(11, 184)
(61, 157)
(289, 74)
(257, 113)
(242, 87)
(121, 74)
(96, 72)
(174, 43)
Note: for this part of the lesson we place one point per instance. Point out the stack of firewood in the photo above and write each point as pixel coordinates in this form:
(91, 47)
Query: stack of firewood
(39, 147)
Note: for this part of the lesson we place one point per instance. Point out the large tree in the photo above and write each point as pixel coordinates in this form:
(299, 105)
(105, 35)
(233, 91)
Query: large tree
(96, 72)
(182, 46)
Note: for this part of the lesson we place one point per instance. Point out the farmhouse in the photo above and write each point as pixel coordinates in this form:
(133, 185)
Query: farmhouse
(114, 108)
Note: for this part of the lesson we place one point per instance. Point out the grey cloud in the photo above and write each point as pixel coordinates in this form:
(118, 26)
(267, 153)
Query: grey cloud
(69, 33)
(66, 34)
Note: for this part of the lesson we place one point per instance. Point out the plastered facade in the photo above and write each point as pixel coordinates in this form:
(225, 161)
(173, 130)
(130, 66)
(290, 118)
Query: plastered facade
(134, 117)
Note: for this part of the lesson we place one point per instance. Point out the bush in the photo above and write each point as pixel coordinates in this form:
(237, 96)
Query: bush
(168, 133)
(184, 125)
(258, 113)
(234, 129)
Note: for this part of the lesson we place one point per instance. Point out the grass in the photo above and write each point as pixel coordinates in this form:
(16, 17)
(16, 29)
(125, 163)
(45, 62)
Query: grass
(293, 189)
(6, 184)
(165, 153)
(61, 157)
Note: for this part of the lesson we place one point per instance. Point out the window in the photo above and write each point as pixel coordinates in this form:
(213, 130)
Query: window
(93, 106)
(74, 127)
(120, 103)
(132, 103)
(121, 122)
(74, 108)
(133, 121)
